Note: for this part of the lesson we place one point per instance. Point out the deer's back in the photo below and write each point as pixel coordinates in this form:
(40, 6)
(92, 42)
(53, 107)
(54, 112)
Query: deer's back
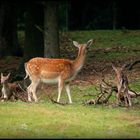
(49, 68)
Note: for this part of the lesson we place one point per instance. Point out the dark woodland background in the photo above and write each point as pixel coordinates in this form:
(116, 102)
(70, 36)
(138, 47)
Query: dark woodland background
(41, 22)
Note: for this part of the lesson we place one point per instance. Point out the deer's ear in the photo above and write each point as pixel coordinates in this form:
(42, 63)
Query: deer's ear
(113, 66)
(76, 44)
(1, 74)
(90, 42)
(8, 75)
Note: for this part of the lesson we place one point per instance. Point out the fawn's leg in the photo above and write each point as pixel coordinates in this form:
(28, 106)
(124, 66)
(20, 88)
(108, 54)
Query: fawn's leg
(129, 98)
(118, 95)
(125, 99)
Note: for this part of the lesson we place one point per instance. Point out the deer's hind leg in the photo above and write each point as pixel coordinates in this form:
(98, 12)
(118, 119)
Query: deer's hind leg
(128, 99)
(118, 95)
(29, 92)
(34, 89)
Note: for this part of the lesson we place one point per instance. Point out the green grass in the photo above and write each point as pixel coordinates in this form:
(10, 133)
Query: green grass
(48, 120)
(108, 38)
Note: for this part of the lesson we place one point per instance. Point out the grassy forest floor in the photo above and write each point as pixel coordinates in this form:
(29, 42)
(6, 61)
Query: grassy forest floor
(48, 120)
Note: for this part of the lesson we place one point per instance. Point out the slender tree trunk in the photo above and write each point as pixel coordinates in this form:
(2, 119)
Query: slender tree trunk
(8, 30)
(34, 44)
(51, 36)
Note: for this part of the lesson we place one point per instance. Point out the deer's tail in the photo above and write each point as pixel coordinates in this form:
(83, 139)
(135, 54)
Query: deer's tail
(27, 74)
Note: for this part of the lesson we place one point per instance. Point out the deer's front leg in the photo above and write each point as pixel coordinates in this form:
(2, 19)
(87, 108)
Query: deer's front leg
(68, 92)
(60, 87)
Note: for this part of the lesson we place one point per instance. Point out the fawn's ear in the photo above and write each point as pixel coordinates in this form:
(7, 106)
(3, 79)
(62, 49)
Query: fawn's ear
(8, 75)
(1, 74)
(123, 66)
(89, 43)
(113, 66)
(76, 44)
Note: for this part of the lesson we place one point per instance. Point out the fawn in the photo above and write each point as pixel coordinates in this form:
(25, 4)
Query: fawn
(10, 89)
(6, 87)
(122, 85)
(50, 70)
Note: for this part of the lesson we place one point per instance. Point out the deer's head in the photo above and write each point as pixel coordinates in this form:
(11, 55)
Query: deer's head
(83, 47)
(4, 78)
(118, 69)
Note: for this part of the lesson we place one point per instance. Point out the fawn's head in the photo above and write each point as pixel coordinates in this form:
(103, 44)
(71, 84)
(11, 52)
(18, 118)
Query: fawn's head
(4, 78)
(119, 71)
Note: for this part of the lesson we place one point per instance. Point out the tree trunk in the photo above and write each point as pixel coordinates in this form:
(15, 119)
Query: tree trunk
(8, 30)
(34, 44)
(51, 36)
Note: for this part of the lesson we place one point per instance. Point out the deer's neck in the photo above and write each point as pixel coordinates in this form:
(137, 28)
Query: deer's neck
(5, 86)
(5, 89)
(79, 61)
(119, 77)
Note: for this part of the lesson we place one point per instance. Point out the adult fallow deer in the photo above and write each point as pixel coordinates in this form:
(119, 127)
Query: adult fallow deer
(50, 70)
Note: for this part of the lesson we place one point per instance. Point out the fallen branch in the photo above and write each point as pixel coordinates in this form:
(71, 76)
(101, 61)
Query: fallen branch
(54, 101)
